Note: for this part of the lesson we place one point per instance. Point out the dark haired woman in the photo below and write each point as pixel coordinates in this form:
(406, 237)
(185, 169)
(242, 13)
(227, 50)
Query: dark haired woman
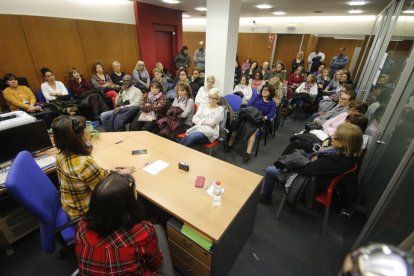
(257, 82)
(246, 64)
(51, 88)
(78, 172)
(183, 107)
(265, 104)
(249, 72)
(182, 59)
(20, 97)
(152, 108)
(113, 238)
(346, 143)
(102, 81)
(91, 101)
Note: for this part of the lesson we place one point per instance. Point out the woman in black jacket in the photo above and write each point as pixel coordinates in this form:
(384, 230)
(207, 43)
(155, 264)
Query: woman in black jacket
(346, 143)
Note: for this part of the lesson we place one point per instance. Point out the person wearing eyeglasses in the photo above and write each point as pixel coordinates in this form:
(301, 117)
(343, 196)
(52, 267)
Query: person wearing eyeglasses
(346, 97)
(114, 239)
(202, 97)
(244, 128)
(206, 122)
(78, 172)
(344, 154)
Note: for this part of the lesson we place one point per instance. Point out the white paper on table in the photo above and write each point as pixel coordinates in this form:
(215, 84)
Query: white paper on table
(156, 167)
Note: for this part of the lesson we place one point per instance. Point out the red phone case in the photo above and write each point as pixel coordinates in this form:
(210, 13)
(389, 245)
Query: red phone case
(199, 183)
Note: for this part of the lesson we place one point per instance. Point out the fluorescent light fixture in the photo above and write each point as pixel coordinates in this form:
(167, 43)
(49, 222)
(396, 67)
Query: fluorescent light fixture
(104, 2)
(355, 11)
(185, 15)
(171, 1)
(357, 3)
(201, 9)
(279, 13)
(263, 6)
(408, 11)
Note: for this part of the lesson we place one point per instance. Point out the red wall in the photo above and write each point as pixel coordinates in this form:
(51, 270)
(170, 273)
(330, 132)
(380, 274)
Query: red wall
(150, 18)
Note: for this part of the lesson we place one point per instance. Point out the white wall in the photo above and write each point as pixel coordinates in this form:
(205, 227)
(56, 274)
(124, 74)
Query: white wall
(117, 11)
(122, 11)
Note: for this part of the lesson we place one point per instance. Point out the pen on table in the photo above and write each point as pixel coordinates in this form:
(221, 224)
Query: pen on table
(146, 164)
(119, 142)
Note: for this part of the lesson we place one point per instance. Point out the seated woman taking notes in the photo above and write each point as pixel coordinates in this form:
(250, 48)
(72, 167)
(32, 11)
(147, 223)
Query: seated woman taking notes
(78, 172)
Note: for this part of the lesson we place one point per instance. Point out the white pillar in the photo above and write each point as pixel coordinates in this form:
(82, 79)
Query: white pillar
(221, 41)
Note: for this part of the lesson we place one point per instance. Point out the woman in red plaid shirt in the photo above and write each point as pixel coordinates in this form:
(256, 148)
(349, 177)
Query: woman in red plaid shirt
(112, 239)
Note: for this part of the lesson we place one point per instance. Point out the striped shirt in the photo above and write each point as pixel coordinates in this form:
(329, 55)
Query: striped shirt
(78, 175)
(132, 252)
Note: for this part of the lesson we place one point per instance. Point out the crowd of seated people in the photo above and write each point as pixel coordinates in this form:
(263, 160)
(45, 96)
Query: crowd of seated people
(197, 111)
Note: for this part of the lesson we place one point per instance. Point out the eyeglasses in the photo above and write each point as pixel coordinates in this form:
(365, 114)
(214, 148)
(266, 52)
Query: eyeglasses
(343, 99)
(213, 98)
(183, 74)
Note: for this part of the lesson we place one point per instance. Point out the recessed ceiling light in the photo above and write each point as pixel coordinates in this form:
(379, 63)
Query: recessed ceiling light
(357, 3)
(263, 6)
(279, 13)
(185, 15)
(355, 11)
(171, 1)
(408, 11)
(201, 8)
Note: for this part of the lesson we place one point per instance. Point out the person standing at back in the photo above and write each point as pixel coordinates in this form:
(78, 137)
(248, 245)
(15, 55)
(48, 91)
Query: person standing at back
(200, 57)
(182, 59)
(338, 62)
(315, 59)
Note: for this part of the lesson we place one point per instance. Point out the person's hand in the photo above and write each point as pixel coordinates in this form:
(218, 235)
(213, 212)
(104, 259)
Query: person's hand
(32, 109)
(116, 110)
(264, 118)
(124, 170)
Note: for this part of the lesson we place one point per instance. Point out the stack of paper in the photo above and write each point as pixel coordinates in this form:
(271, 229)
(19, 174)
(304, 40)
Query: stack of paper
(197, 237)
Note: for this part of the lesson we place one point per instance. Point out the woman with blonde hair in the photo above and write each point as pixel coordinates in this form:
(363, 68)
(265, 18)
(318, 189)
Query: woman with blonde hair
(202, 97)
(140, 76)
(298, 61)
(206, 121)
(345, 153)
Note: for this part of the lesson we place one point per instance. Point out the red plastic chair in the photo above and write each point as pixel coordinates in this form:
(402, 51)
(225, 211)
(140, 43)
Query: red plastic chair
(324, 198)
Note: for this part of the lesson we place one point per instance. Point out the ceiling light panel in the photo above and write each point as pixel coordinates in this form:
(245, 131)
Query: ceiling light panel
(201, 9)
(357, 3)
(355, 11)
(171, 1)
(264, 6)
(279, 13)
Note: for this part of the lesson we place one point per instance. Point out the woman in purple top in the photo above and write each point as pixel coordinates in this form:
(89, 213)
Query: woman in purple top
(266, 105)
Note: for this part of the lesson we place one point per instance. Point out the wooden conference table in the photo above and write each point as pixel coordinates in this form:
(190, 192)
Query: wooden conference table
(173, 189)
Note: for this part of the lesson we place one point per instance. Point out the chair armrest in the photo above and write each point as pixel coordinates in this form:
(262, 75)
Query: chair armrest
(66, 225)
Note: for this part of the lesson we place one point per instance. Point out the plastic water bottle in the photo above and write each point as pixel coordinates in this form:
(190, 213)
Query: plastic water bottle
(217, 192)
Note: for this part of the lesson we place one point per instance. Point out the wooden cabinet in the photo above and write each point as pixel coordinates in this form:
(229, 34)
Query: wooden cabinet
(187, 256)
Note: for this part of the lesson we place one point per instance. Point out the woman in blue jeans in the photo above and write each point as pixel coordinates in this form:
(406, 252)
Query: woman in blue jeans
(346, 149)
(206, 122)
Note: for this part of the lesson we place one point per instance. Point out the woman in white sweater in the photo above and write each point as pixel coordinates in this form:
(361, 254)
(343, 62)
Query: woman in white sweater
(203, 93)
(206, 122)
(51, 88)
(245, 88)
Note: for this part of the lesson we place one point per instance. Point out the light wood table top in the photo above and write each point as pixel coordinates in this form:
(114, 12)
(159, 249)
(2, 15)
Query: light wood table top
(173, 189)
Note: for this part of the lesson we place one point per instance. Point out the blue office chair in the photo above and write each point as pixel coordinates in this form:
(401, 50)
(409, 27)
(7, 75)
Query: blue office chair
(234, 101)
(30, 186)
(40, 98)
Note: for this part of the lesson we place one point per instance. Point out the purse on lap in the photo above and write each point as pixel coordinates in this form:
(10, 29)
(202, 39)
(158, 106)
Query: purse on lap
(147, 116)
